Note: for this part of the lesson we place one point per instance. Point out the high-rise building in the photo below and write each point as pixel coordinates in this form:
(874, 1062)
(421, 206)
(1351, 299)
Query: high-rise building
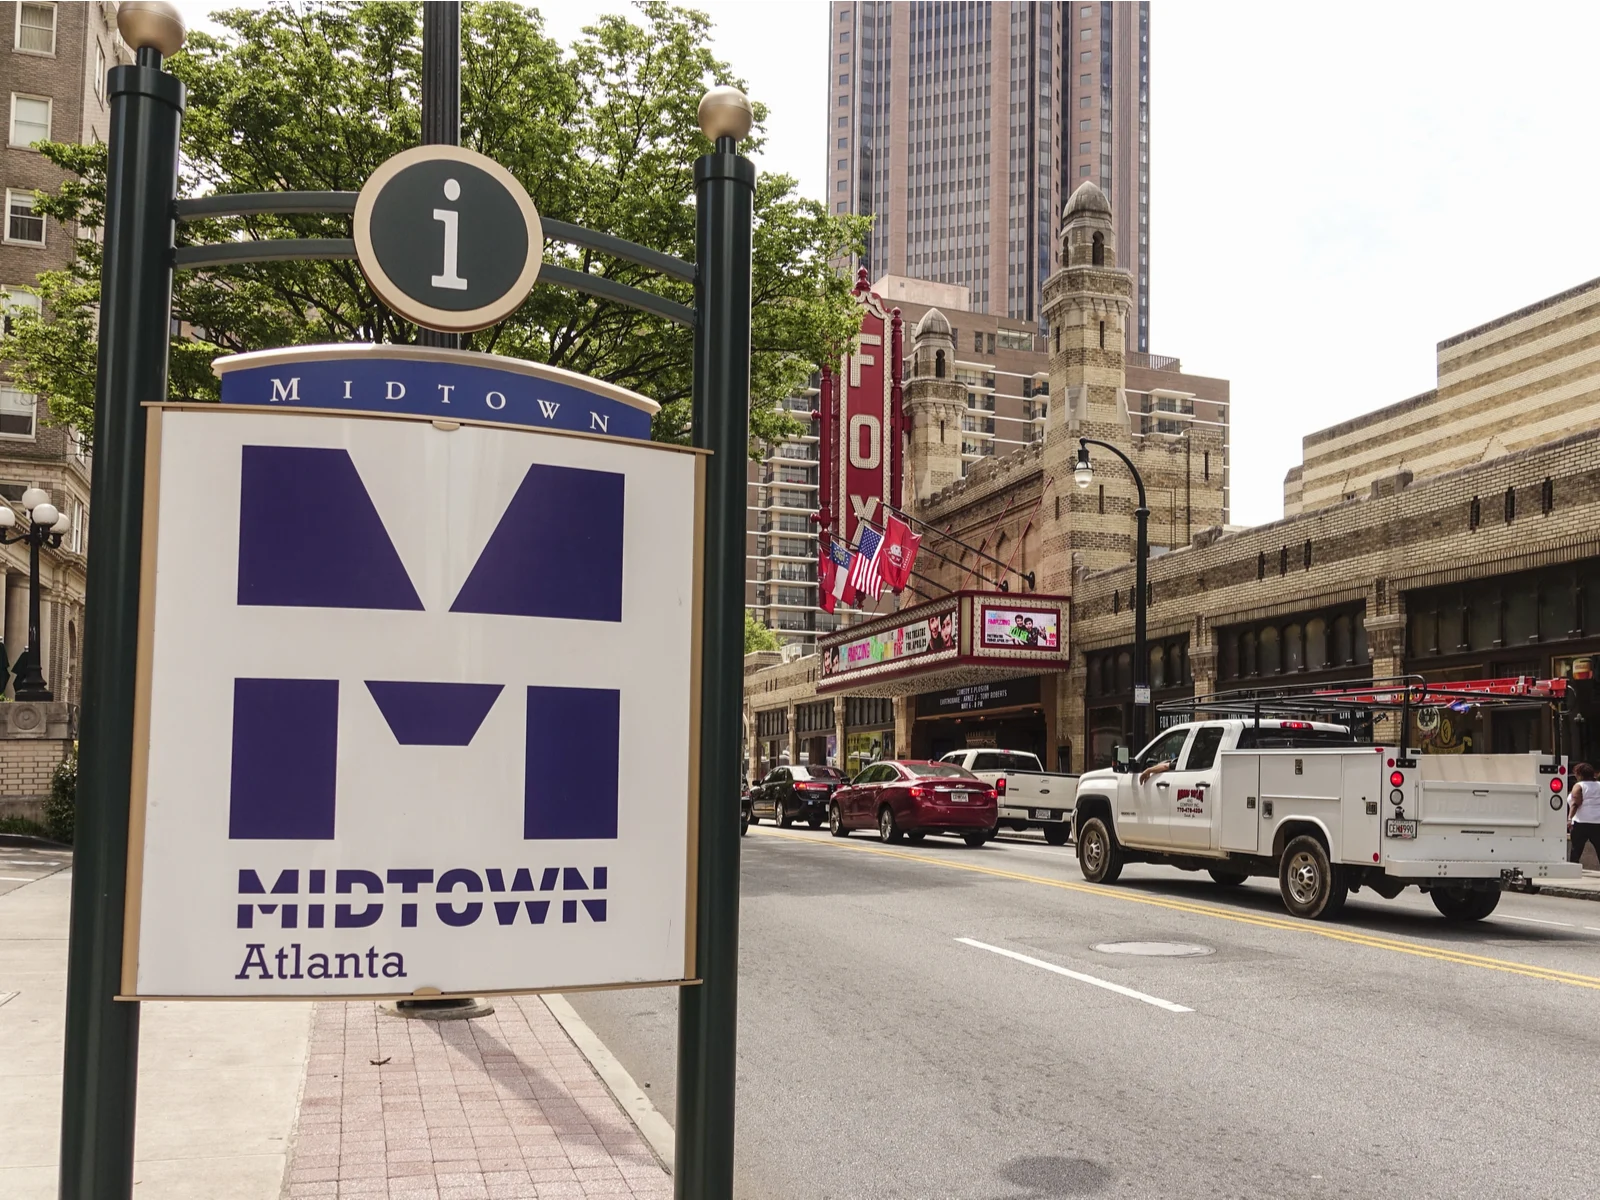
(963, 125)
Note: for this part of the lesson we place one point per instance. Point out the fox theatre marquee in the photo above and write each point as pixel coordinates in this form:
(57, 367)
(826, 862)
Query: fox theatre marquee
(967, 637)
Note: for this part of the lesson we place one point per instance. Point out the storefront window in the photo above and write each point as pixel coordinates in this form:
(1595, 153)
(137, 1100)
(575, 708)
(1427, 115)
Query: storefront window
(1483, 624)
(1343, 646)
(1270, 651)
(1125, 671)
(1294, 655)
(1096, 684)
(1316, 644)
(1249, 661)
(1228, 654)
(1555, 610)
(1522, 616)
(863, 749)
(1158, 667)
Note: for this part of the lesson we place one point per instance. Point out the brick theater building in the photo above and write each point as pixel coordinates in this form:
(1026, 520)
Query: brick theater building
(1451, 536)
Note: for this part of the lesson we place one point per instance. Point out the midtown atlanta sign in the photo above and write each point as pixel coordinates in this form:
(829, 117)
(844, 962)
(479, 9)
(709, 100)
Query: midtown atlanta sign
(417, 694)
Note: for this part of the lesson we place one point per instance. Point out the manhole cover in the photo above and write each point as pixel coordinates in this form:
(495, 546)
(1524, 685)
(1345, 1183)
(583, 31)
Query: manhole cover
(1155, 949)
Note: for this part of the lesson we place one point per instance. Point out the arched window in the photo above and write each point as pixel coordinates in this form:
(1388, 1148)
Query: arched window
(1158, 667)
(1474, 514)
(938, 364)
(1261, 565)
(1294, 653)
(1058, 339)
(1270, 651)
(1102, 335)
(1248, 659)
(1124, 671)
(1511, 504)
(1547, 496)
(1308, 554)
(1098, 254)
(1316, 644)
(1283, 561)
(1343, 647)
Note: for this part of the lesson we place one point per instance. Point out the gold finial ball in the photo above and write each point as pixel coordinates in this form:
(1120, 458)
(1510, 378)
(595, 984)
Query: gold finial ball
(726, 112)
(152, 23)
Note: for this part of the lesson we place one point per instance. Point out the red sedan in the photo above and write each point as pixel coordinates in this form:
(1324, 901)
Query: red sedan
(913, 799)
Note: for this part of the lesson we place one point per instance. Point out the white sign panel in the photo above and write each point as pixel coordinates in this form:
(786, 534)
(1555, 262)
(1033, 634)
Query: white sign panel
(418, 702)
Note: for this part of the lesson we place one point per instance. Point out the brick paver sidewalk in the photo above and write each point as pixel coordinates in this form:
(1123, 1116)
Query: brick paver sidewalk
(502, 1106)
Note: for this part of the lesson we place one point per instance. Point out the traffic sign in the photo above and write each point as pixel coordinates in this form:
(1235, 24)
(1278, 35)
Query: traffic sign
(419, 700)
(1141, 693)
(448, 238)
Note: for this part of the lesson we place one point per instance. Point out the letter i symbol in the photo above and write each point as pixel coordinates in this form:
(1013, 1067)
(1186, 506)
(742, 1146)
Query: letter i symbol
(450, 219)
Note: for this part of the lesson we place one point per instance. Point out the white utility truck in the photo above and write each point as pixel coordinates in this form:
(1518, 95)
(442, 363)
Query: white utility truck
(1029, 795)
(1249, 795)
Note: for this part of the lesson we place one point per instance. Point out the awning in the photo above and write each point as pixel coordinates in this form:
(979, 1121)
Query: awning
(963, 638)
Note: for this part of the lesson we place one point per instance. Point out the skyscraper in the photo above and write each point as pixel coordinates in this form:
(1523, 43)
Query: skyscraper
(963, 125)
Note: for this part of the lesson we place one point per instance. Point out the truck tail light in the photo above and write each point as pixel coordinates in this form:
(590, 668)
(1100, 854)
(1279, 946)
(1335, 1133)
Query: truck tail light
(1000, 786)
(1396, 779)
(1295, 724)
(1555, 784)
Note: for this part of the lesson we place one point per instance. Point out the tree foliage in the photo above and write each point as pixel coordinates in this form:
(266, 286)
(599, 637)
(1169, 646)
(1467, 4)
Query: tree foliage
(603, 135)
(757, 636)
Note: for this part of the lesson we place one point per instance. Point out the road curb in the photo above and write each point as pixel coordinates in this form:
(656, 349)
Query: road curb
(630, 1097)
(30, 841)
(1569, 893)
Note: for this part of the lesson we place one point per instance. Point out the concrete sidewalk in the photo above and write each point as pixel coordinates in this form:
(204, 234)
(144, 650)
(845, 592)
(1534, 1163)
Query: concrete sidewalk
(275, 1100)
(218, 1083)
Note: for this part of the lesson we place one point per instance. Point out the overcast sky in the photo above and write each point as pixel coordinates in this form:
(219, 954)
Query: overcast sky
(1330, 197)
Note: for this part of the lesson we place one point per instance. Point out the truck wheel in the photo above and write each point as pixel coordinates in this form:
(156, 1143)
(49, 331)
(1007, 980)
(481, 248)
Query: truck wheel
(1464, 903)
(1099, 856)
(780, 816)
(836, 822)
(1226, 878)
(1312, 887)
(888, 831)
(1056, 835)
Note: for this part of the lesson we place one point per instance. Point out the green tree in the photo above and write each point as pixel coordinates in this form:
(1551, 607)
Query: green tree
(603, 135)
(757, 636)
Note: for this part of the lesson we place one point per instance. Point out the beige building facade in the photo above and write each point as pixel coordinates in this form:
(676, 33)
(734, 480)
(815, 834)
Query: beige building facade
(1450, 550)
(53, 63)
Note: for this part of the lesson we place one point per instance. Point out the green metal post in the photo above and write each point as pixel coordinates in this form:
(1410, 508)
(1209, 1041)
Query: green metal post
(102, 1050)
(707, 1012)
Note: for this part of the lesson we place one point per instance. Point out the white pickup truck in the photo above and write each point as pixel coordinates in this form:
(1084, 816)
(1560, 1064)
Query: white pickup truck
(1028, 794)
(1301, 801)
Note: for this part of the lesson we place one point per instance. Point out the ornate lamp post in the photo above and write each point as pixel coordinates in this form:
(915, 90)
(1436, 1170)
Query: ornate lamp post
(45, 527)
(1083, 474)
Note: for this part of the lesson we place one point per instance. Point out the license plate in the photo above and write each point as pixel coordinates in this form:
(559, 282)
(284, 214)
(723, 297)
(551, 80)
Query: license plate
(1041, 814)
(1399, 829)
(958, 797)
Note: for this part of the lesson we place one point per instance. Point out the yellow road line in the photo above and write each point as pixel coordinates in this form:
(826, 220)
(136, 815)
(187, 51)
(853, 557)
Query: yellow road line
(1195, 908)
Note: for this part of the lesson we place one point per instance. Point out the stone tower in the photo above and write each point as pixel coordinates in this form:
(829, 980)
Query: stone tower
(1086, 305)
(934, 403)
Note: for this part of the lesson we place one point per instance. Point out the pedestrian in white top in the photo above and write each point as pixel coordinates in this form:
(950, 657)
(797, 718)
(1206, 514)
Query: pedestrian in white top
(1583, 813)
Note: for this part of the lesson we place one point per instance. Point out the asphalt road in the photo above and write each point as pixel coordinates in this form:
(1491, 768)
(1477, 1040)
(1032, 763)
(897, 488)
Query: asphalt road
(1386, 1054)
(22, 864)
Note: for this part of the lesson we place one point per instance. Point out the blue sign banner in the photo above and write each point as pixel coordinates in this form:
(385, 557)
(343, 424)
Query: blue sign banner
(441, 384)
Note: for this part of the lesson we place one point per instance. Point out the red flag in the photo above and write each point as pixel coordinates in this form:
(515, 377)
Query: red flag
(825, 569)
(899, 552)
(833, 576)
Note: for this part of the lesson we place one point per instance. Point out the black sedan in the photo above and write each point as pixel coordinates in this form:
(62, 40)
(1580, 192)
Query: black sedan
(789, 794)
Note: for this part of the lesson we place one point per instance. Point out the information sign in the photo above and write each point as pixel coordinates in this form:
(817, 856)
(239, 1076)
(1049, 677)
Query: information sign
(418, 700)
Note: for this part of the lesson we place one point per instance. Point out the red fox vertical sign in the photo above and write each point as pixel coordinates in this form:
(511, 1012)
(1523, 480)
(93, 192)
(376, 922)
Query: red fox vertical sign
(868, 442)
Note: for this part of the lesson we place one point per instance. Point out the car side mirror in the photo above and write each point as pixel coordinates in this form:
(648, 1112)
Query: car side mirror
(1121, 762)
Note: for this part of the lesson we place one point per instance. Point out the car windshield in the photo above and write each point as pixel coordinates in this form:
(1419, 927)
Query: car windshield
(937, 770)
(818, 773)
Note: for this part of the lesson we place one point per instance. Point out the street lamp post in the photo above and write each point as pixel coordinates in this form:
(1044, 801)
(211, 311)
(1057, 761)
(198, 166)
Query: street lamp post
(1083, 474)
(45, 527)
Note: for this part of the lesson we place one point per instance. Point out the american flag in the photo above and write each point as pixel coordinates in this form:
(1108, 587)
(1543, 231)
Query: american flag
(864, 575)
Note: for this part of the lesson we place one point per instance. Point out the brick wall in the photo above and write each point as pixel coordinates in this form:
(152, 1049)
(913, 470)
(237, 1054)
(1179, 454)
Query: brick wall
(34, 740)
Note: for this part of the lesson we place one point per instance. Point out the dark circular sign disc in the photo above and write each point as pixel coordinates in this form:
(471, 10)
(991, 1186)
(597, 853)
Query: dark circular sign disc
(448, 238)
